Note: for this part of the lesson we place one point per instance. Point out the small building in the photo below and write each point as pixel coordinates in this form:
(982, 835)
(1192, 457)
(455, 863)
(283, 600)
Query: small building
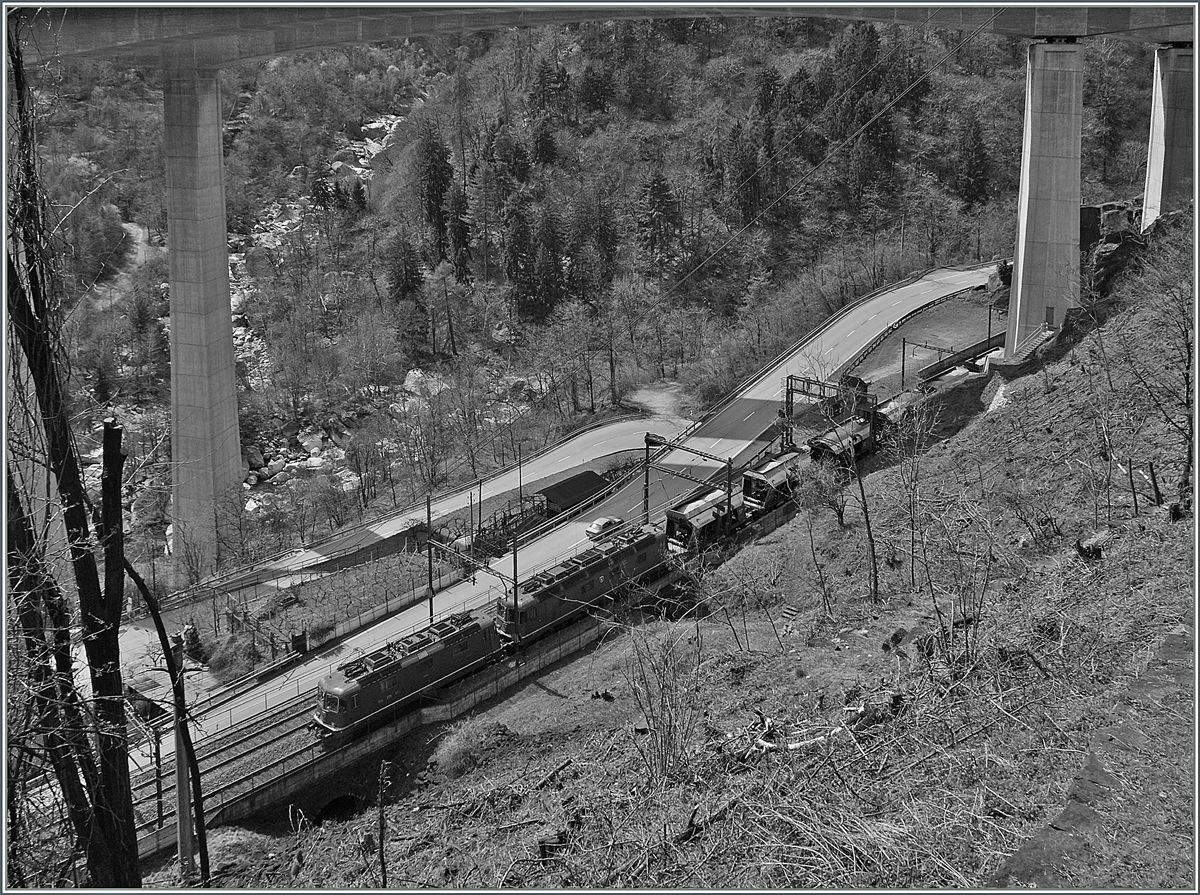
(570, 493)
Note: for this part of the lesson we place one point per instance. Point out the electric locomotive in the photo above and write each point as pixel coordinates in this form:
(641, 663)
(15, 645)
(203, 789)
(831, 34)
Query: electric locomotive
(844, 444)
(363, 688)
(701, 518)
(771, 482)
(548, 600)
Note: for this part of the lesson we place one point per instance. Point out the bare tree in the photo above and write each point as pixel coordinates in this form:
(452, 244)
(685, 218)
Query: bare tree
(86, 742)
(1169, 384)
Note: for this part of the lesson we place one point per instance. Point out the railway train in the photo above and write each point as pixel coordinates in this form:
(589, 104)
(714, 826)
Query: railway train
(845, 443)
(370, 689)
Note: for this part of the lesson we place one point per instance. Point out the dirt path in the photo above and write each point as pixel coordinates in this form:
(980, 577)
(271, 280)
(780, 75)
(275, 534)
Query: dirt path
(664, 398)
(104, 296)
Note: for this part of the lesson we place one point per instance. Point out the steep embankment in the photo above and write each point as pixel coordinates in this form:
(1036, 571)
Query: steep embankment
(916, 742)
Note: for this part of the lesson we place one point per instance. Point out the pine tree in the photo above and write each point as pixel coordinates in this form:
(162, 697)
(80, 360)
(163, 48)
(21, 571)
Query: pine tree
(458, 232)
(743, 185)
(545, 150)
(542, 94)
(434, 174)
(547, 274)
(766, 89)
(518, 246)
(594, 90)
(658, 217)
(971, 181)
(404, 269)
(484, 203)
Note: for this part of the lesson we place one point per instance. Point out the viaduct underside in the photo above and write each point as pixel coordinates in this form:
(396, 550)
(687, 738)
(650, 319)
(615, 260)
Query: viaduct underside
(192, 45)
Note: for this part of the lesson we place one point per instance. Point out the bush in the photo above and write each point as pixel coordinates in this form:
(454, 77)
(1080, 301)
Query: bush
(236, 656)
(465, 745)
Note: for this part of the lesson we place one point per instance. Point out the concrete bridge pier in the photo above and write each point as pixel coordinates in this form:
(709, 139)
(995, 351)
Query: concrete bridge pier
(1169, 164)
(1045, 281)
(205, 442)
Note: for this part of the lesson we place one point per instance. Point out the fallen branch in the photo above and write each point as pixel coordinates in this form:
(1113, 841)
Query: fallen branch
(546, 779)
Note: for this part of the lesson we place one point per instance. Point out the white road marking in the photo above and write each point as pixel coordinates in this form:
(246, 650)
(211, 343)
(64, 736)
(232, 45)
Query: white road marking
(849, 334)
(747, 416)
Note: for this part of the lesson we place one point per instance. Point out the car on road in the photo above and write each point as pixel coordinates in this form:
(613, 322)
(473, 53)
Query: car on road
(604, 526)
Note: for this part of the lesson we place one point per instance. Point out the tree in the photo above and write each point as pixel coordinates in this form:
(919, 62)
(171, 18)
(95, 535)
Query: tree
(970, 179)
(1167, 380)
(433, 173)
(545, 151)
(84, 742)
(518, 249)
(743, 185)
(594, 89)
(766, 88)
(458, 232)
(820, 486)
(484, 203)
(658, 217)
(404, 269)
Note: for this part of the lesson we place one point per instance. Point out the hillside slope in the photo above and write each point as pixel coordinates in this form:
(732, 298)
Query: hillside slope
(917, 742)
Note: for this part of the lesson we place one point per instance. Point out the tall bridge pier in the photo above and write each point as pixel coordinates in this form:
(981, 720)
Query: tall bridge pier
(205, 441)
(1045, 276)
(1169, 166)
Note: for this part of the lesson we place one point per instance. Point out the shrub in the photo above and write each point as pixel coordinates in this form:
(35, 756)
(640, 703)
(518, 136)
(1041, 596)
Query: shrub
(465, 745)
(237, 655)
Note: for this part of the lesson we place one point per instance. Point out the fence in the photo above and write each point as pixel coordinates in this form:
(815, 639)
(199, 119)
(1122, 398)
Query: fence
(969, 353)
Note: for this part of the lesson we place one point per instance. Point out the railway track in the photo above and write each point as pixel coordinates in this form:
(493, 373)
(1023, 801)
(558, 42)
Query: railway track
(226, 758)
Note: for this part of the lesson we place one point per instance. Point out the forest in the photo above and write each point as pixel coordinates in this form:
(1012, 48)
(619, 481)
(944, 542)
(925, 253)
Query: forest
(545, 219)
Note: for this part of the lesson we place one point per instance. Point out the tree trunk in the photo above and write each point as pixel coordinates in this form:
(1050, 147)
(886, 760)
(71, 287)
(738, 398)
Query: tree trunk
(181, 708)
(112, 846)
(872, 560)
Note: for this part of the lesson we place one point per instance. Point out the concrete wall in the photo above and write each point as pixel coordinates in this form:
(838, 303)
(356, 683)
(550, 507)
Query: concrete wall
(969, 353)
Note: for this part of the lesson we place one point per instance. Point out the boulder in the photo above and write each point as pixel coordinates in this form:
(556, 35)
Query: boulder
(316, 463)
(262, 473)
(254, 457)
(311, 442)
(275, 467)
(281, 478)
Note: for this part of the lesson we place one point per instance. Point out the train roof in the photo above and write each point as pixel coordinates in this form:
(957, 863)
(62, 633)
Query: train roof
(583, 562)
(395, 653)
(776, 470)
(842, 436)
(692, 508)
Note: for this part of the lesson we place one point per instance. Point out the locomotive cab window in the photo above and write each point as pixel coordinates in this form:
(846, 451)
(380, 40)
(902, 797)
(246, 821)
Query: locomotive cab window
(332, 704)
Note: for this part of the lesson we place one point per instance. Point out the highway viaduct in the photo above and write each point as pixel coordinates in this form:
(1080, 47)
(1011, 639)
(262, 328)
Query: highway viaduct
(191, 45)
